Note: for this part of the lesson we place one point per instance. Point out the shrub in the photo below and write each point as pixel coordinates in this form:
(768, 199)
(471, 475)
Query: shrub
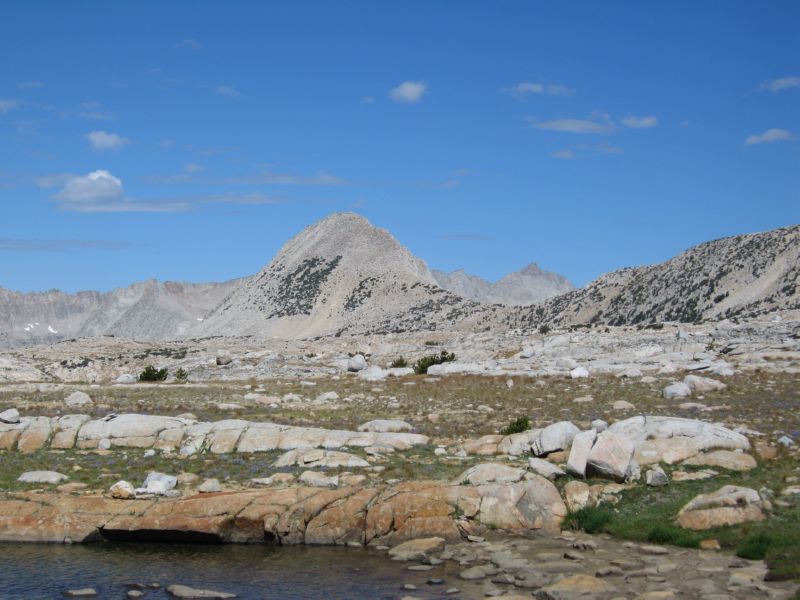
(181, 375)
(150, 373)
(544, 329)
(754, 547)
(590, 519)
(433, 359)
(669, 534)
(399, 363)
(517, 426)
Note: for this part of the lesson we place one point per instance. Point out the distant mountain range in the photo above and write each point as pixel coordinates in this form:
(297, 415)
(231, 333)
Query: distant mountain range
(520, 288)
(342, 276)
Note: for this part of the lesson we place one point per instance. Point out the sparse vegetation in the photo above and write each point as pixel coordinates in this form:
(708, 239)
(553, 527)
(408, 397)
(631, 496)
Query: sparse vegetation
(150, 373)
(518, 425)
(591, 519)
(426, 362)
(399, 363)
(544, 329)
(181, 375)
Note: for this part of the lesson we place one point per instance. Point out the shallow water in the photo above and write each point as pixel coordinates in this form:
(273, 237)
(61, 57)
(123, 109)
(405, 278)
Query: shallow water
(34, 571)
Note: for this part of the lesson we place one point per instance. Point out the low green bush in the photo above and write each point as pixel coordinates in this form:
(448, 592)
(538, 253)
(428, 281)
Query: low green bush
(399, 363)
(150, 373)
(544, 329)
(433, 359)
(754, 547)
(518, 425)
(181, 375)
(590, 519)
(676, 536)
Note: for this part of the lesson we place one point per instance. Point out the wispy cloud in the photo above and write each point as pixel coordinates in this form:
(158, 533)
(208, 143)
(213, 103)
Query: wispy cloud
(639, 122)
(89, 111)
(24, 245)
(778, 85)
(592, 126)
(29, 85)
(103, 141)
(228, 92)
(7, 105)
(563, 154)
(466, 237)
(525, 90)
(770, 136)
(367, 100)
(409, 92)
(270, 177)
(189, 44)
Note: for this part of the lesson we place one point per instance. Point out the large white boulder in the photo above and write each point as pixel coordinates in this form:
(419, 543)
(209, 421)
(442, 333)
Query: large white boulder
(490, 473)
(159, 483)
(610, 456)
(77, 399)
(10, 416)
(385, 426)
(579, 453)
(557, 436)
(50, 477)
(677, 390)
(701, 385)
(356, 363)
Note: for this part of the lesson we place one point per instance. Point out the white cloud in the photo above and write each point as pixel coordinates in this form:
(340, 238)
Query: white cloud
(769, 136)
(640, 122)
(525, 90)
(563, 154)
(228, 91)
(189, 44)
(409, 92)
(192, 168)
(573, 125)
(269, 177)
(103, 140)
(100, 191)
(785, 83)
(7, 105)
(367, 100)
(29, 85)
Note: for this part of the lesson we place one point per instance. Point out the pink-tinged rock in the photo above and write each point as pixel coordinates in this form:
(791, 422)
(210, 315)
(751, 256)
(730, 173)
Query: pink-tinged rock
(579, 453)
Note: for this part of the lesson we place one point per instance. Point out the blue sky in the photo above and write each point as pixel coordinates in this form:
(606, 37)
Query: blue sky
(190, 140)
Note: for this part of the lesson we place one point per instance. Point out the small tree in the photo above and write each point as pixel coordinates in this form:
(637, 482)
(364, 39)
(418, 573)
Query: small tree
(150, 373)
(544, 329)
(433, 359)
(181, 375)
(517, 426)
(399, 363)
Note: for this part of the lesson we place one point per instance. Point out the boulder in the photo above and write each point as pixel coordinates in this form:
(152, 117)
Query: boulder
(677, 390)
(656, 477)
(490, 473)
(724, 459)
(700, 385)
(49, 477)
(210, 486)
(385, 426)
(598, 425)
(577, 495)
(159, 483)
(10, 416)
(579, 453)
(122, 490)
(375, 373)
(673, 439)
(729, 505)
(317, 458)
(184, 591)
(417, 550)
(356, 363)
(125, 379)
(579, 373)
(517, 444)
(78, 399)
(545, 468)
(623, 405)
(316, 479)
(611, 456)
(575, 586)
(557, 436)
(223, 358)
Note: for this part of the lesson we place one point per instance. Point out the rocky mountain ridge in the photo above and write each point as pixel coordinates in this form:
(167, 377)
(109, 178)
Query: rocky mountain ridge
(527, 286)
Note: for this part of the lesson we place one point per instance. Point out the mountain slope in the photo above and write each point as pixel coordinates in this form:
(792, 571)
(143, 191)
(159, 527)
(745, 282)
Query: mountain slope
(742, 275)
(520, 288)
(340, 275)
(149, 310)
